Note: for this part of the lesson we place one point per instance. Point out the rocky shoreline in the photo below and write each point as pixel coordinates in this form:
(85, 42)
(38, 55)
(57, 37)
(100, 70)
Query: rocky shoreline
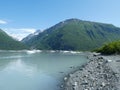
(97, 74)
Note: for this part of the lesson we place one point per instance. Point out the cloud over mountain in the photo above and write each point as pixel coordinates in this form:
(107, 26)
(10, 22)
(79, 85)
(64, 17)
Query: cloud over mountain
(19, 33)
(3, 22)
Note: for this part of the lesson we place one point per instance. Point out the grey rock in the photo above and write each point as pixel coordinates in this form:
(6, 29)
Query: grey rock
(95, 75)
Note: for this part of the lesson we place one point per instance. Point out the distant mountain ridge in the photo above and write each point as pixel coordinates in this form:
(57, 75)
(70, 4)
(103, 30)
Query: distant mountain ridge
(8, 43)
(31, 35)
(74, 34)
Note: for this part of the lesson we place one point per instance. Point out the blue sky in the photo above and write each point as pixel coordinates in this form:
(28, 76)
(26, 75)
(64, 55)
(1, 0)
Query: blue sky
(22, 17)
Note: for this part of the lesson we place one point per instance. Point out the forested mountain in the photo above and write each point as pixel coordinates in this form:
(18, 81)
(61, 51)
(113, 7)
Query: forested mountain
(8, 43)
(74, 34)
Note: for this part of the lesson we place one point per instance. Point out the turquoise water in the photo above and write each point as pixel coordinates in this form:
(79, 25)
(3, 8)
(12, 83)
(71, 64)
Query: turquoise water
(36, 70)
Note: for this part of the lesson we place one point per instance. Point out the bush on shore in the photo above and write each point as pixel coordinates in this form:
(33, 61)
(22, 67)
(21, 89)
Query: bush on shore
(110, 48)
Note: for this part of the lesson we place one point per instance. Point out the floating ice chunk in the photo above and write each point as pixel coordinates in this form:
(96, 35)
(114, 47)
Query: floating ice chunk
(33, 51)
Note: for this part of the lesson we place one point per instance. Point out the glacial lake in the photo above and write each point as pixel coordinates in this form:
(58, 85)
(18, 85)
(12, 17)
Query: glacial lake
(37, 70)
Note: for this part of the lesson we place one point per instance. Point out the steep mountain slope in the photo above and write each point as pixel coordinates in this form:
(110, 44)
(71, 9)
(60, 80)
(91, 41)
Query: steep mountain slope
(8, 43)
(74, 34)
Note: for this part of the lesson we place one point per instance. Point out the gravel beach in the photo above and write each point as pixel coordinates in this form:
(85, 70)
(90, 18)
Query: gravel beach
(100, 73)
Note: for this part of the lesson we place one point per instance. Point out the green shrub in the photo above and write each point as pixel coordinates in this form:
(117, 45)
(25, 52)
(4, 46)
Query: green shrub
(110, 48)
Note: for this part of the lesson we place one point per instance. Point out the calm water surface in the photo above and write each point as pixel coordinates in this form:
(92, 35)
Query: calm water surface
(34, 70)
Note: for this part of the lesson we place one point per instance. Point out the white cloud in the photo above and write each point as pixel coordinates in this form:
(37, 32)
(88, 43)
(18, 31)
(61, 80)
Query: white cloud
(19, 33)
(21, 30)
(25, 30)
(19, 37)
(3, 22)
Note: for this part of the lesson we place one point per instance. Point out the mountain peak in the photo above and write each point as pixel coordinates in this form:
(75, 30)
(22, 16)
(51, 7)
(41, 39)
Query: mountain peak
(73, 19)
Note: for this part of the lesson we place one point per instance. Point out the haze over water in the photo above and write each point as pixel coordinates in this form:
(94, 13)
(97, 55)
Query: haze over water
(34, 70)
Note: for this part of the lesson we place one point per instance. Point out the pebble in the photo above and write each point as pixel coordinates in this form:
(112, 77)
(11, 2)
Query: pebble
(95, 75)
